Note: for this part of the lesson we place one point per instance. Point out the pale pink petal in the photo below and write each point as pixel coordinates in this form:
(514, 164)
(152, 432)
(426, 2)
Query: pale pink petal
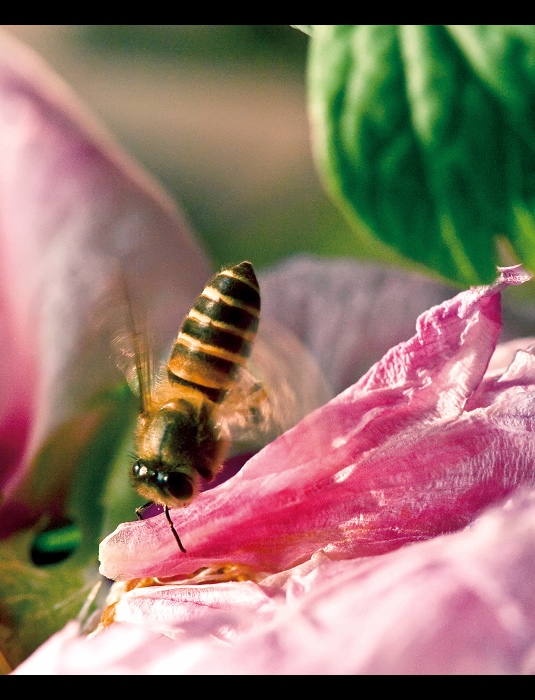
(45, 661)
(167, 608)
(227, 608)
(459, 604)
(349, 313)
(504, 354)
(74, 209)
(124, 649)
(120, 650)
(393, 459)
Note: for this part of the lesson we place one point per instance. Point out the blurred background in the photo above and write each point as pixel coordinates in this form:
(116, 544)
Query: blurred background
(218, 115)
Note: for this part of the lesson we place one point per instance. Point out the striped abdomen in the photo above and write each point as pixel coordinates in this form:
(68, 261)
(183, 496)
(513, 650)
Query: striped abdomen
(216, 337)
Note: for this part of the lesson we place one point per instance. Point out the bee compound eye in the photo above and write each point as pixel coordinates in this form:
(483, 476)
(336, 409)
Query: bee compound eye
(139, 469)
(177, 485)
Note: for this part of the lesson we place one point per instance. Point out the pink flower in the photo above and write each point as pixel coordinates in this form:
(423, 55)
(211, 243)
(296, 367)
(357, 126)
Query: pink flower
(416, 448)
(74, 208)
(291, 564)
(449, 440)
(458, 604)
(75, 211)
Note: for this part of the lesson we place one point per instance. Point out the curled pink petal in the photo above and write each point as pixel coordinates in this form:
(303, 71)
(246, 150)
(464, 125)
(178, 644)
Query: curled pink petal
(74, 211)
(395, 458)
(348, 313)
(461, 603)
(514, 274)
(166, 608)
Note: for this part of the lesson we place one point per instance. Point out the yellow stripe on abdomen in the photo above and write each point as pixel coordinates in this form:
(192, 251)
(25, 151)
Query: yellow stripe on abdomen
(216, 337)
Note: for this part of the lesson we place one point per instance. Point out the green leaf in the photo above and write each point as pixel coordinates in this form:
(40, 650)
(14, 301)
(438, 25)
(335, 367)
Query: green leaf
(81, 473)
(425, 135)
(305, 28)
(74, 476)
(37, 601)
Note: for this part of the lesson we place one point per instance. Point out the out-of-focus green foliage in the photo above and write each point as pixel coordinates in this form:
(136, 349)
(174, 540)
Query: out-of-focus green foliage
(101, 495)
(305, 28)
(256, 44)
(426, 135)
(92, 451)
(37, 601)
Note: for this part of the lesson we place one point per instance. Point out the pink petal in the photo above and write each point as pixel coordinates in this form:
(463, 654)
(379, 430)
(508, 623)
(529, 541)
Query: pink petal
(167, 608)
(505, 353)
(74, 209)
(368, 308)
(459, 604)
(123, 649)
(391, 460)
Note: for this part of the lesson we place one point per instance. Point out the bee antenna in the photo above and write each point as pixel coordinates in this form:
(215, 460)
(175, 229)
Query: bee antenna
(175, 533)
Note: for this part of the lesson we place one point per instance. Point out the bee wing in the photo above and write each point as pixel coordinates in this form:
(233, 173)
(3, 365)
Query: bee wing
(245, 414)
(131, 349)
(134, 358)
(281, 384)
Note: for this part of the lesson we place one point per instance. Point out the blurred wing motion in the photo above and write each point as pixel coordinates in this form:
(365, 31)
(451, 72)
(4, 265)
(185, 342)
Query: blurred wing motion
(132, 351)
(281, 384)
(123, 322)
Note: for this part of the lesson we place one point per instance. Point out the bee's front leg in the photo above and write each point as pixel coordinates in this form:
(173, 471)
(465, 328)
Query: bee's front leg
(143, 508)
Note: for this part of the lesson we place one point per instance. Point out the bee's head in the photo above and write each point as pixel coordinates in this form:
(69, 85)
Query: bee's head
(159, 484)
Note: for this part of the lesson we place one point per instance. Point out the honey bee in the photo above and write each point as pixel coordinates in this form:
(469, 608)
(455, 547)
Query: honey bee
(179, 438)
(205, 400)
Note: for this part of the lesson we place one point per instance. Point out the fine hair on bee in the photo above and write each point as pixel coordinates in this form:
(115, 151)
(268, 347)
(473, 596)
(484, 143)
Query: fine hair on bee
(179, 438)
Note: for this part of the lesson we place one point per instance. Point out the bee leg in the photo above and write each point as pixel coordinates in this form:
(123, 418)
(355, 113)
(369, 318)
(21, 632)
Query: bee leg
(139, 511)
(175, 533)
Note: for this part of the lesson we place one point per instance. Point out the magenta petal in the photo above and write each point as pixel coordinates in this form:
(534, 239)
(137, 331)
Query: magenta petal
(74, 210)
(393, 459)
